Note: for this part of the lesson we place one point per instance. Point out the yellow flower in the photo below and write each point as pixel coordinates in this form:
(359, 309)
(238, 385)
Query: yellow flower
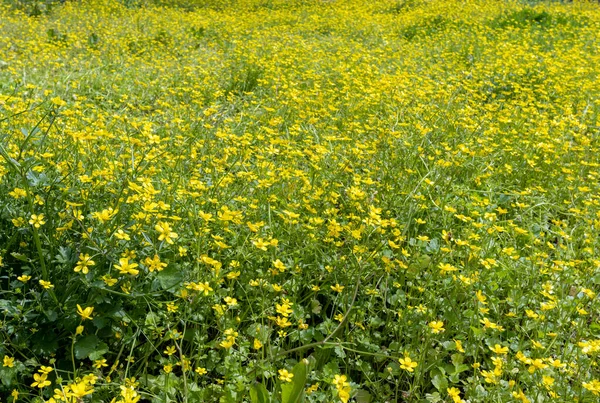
(46, 284)
(340, 381)
(260, 244)
(18, 193)
(230, 301)
(100, 363)
(407, 363)
(122, 235)
(285, 375)
(165, 232)
(8, 362)
(446, 268)
(498, 349)
(436, 327)
(85, 261)
(172, 307)
(24, 278)
(154, 264)
(45, 370)
(80, 389)
(312, 388)
(85, 313)
(202, 287)
(257, 344)
(593, 386)
(344, 394)
(278, 264)
(40, 381)
(201, 371)
(228, 342)
(459, 346)
(125, 267)
(337, 288)
(108, 280)
(37, 220)
(454, 394)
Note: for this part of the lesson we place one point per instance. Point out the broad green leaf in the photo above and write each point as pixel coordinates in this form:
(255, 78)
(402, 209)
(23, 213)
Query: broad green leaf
(259, 394)
(100, 350)
(7, 375)
(362, 396)
(438, 379)
(85, 346)
(169, 277)
(293, 392)
(457, 359)
(460, 368)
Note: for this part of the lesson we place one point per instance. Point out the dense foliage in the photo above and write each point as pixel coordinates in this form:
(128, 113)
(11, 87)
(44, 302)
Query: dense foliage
(278, 200)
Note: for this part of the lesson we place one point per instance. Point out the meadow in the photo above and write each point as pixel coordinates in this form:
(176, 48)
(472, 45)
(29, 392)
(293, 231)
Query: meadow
(299, 201)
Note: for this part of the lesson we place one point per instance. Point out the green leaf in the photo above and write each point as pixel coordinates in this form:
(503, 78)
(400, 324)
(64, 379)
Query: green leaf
(433, 397)
(7, 375)
(339, 351)
(86, 346)
(294, 392)
(19, 256)
(152, 319)
(169, 277)
(438, 379)
(315, 307)
(8, 307)
(46, 342)
(362, 396)
(460, 368)
(64, 255)
(457, 359)
(51, 315)
(100, 350)
(286, 392)
(259, 394)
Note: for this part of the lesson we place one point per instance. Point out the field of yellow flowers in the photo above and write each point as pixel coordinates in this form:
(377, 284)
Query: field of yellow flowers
(299, 200)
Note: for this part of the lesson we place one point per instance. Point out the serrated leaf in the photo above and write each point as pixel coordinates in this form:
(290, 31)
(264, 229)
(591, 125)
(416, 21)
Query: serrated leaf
(85, 346)
(64, 255)
(315, 307)
(339, 351)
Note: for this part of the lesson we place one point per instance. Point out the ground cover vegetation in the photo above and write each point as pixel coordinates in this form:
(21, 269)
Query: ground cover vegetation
(285, 201)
